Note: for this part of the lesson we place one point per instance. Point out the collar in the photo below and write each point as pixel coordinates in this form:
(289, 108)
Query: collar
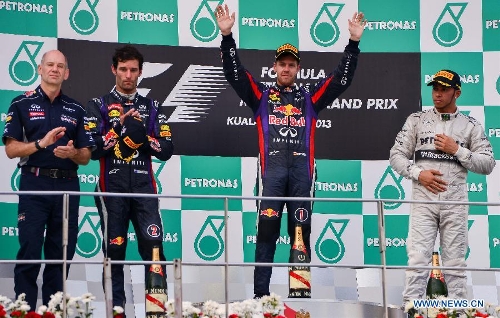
(122, 99)
(286, 89)
(446, 116)
(45, 96)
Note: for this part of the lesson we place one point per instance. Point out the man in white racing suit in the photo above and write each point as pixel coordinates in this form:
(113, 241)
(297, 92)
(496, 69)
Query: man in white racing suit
(436, 148)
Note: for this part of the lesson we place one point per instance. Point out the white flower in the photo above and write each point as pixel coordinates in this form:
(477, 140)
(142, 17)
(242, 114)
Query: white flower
(118, 309)
(212, 309)
(42, 309)
(24, 307)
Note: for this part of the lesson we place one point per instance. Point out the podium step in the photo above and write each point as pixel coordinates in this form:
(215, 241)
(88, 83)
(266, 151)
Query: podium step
(326, 308)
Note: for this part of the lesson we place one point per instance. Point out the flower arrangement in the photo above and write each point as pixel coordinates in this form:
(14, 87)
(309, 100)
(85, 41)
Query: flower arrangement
(76, 307)
(489, 311)
(81, 307)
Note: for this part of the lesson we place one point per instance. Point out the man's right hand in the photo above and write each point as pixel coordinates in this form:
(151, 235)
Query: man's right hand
(224, 20)
(52, 136)
(430, 180)
(131, 112)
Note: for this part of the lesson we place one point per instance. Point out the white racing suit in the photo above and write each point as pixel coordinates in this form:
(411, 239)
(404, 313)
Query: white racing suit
(416, 141)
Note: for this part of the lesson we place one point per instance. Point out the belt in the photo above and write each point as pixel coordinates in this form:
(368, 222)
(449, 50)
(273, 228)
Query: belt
(53, 173)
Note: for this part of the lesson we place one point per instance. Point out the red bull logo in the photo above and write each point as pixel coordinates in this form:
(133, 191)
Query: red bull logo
(269, 213)
(287, 121)
(287, 110)
(117, 241)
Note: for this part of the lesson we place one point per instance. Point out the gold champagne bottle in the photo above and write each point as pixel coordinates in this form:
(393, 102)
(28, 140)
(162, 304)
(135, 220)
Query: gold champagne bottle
(156, 289)
(436, 286)
(299, 276)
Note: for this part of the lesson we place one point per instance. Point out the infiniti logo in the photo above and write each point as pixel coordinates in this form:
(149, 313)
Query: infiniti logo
(285, 131)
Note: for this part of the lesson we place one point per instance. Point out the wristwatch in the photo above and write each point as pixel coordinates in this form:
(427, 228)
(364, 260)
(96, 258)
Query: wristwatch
(37, 145)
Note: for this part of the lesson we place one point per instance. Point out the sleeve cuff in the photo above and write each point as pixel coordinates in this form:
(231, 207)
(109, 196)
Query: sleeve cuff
(228, 38)
(353, 44)
(415, 173)
(462, 153)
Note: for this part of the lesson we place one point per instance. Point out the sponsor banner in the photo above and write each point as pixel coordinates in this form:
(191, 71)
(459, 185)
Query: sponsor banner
(89, 244)
(476, 255)
(478, 192)
(335, 239)
(19, 57)
(391, 27)
(491, 25)
(492, 128)
(323, 25)
(451, 26)
(380, 181)
(148, 22)
(267, 29)
(217, 176)
(88, 19)
(208, 118)
(396, 235)
(491, 64)
(168, 181)
(9, 231)
(203, 236)
(493, 181)
(249, 182)
(338, 179)
(197, 22)
(471, 75)
(18, 17)
(89, 177)
(494, 240)
(12, 175)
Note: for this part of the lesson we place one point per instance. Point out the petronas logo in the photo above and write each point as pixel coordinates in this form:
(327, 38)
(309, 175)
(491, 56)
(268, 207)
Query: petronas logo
(22, 67)
(209, 244)
(15, 179)
(89, 241)
(83, 17)
(469, 225)
(329, 247)
(203, 25)
(389, 187)
(324, 29)
(498, 85)
(447, 30)
(158, 166)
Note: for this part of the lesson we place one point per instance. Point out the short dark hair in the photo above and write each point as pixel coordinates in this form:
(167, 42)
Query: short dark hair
(127, 53)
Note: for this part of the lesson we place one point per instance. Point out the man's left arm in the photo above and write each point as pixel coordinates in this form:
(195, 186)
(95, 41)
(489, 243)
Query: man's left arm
(160, 142)
(479, 157)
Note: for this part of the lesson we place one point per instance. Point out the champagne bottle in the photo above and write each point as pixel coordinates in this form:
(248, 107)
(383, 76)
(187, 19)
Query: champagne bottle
(156, 289)
(299, 283)
(436, 286)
